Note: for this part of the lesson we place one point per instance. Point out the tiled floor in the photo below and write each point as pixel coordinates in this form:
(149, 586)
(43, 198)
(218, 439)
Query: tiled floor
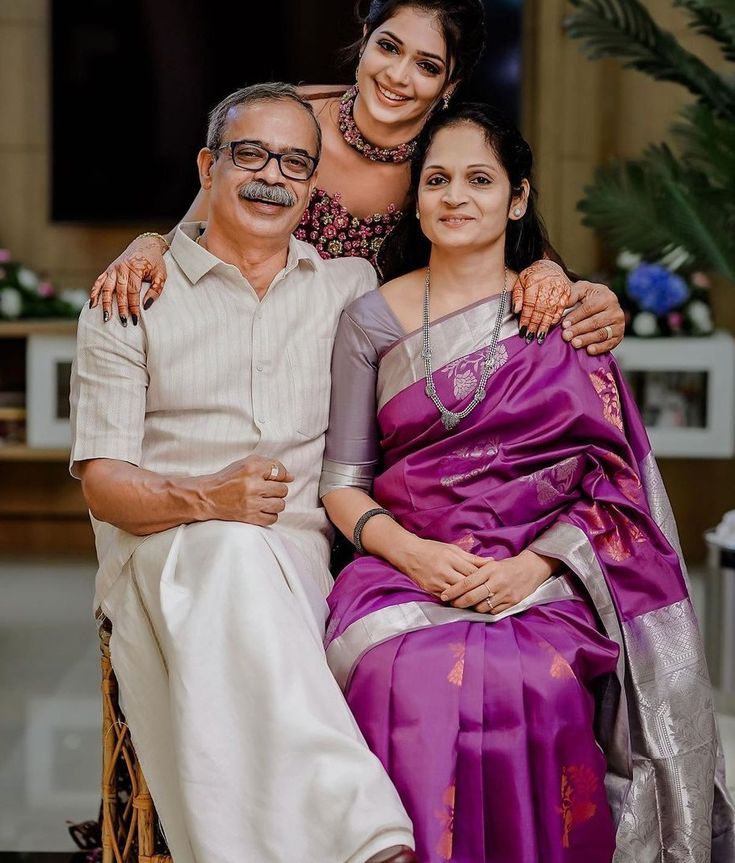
(49, 706)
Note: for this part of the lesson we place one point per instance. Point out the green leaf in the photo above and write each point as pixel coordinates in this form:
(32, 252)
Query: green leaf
(715, 19)
(707, 144)
(625, 29)
(655, 204)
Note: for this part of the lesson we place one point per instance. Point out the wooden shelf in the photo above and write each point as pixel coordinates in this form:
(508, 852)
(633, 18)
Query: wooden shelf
(21, 452)
(51, 326)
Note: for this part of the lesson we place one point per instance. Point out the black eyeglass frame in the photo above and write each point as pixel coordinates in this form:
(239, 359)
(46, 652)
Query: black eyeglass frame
(270, 155)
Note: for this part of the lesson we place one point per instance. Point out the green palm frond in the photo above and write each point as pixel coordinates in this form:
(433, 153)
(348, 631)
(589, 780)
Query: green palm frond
(715, 19)
(654, 204)
(624, 29)
(707, 144)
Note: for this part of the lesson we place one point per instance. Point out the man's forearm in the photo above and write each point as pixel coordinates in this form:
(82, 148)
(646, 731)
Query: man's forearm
(140, 501)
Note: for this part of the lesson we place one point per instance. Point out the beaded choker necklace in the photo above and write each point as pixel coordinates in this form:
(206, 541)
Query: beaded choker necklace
(353, 136)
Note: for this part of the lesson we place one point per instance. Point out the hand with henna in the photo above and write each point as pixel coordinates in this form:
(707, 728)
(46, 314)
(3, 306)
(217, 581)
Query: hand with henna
(141, 261)
(542, 292)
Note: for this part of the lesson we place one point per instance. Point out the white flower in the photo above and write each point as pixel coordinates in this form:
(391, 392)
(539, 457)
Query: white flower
(11, 303)
(628, 260)
(27, 279)
(701, 317)
(76, 298)
(675, 259)
(645, 324)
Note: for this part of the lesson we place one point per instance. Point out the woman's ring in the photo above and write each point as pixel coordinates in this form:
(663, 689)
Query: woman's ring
(489, 604)
(274, 471)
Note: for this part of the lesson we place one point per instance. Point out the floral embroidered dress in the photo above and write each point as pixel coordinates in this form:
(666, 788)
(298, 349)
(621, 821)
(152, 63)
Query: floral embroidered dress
(577, 726)
(336, 233)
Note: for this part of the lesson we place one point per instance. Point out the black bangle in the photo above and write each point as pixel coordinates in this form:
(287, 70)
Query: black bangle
(363, 520)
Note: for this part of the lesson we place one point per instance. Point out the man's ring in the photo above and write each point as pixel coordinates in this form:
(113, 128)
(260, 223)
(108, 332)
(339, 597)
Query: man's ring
(274, 471)
(608, 330)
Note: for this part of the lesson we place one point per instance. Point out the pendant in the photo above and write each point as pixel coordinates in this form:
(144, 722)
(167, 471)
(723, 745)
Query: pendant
(450, 420)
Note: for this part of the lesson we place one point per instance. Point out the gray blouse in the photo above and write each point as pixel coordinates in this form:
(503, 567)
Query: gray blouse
(366, 330)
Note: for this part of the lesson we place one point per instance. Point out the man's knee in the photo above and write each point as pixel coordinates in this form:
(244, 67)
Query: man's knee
(226, 536)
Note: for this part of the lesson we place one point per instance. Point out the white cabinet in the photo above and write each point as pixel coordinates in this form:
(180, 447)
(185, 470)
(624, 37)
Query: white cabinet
(685, 389)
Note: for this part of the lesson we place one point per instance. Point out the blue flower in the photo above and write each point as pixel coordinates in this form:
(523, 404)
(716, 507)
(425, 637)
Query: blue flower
(655, 289)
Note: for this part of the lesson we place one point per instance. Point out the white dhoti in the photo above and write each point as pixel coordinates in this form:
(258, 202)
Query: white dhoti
(248, 747)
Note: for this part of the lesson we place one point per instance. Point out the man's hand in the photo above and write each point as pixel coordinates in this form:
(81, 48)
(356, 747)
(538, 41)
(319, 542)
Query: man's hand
(252, 490)
(500, 584)
(587, 326)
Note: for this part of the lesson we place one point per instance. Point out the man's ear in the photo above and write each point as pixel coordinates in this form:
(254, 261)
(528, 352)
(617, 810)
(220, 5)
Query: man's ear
(205, 164)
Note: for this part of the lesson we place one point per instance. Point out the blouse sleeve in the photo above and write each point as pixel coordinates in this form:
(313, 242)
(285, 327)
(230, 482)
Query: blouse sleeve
(352, 451)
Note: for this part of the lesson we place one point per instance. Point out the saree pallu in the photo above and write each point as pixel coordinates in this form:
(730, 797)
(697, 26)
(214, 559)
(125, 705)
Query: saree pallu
(578, 725)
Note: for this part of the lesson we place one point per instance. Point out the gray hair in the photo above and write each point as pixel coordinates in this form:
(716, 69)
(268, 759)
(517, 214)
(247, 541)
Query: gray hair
(271, 92)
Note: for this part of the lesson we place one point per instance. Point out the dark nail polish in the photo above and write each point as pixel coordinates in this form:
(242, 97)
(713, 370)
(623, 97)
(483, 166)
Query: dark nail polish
(123, 320)
(540, 338)
(530, 337)
(106, 317)
(522, 332)
(148, 303)
(134, 319)
(90, 303)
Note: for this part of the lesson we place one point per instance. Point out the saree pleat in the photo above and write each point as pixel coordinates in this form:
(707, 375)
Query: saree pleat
(487, 733)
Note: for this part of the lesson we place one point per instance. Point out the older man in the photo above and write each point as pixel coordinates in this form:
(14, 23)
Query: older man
(198, 437)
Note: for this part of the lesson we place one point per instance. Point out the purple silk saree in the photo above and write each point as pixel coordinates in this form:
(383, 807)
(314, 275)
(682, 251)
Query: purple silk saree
(577, 726)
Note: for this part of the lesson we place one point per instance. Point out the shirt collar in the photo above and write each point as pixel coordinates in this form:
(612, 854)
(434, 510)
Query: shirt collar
(196, 261)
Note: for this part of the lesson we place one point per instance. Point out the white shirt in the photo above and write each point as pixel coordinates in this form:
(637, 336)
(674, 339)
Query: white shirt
(212, 374)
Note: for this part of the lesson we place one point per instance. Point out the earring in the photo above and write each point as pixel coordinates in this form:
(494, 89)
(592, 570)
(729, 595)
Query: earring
(418, 215)
(518, 212)
(447, 97)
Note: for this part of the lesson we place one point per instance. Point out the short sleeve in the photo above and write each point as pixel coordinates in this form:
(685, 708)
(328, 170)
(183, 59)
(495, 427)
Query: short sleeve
(352, 450)
(108, 391)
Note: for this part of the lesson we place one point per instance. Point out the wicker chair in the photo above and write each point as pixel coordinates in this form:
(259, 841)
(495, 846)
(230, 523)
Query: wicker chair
(131, 832)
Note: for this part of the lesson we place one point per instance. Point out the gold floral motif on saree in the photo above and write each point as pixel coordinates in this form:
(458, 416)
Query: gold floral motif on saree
(559, 669)
(467, 542)
(553, 482)
(625, 478)
(457, 673)
(578, 787)
(483, 450)
(606, 388)
(445, 816)
(465, 373)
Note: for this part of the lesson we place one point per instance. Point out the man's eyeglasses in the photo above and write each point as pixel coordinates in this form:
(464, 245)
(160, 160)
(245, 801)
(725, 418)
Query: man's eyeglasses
(253, 157)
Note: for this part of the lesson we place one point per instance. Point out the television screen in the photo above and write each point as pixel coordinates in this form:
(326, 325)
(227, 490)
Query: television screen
(133, 83)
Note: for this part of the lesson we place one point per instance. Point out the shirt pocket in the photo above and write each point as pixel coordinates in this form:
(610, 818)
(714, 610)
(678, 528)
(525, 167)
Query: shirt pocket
(311, 383)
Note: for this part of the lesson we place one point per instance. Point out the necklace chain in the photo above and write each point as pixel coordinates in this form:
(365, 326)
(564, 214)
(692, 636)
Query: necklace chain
(353, 136)
(450, 419)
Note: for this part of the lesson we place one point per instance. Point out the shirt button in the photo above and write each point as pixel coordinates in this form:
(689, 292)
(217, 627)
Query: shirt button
(259, 367)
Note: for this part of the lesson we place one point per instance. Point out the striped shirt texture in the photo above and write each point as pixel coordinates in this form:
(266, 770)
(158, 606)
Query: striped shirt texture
(213, 374)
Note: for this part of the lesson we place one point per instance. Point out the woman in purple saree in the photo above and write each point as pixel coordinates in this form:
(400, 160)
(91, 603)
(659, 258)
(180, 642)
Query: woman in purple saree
(516, 639)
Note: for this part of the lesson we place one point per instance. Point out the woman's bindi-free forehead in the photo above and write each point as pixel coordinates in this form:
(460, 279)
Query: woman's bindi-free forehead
(417, 31)
(461, 147)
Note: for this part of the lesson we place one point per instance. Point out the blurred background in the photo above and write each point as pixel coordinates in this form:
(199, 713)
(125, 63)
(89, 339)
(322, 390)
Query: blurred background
(102, 110)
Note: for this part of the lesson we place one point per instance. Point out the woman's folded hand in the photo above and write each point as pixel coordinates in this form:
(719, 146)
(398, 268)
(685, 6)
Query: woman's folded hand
(497, 585)
(434, 566)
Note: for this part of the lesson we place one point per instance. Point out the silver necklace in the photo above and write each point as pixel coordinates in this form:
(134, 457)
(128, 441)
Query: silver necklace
(450, 419)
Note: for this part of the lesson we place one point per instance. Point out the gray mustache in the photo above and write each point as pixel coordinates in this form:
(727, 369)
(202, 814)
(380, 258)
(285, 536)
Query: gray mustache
(257, 190)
